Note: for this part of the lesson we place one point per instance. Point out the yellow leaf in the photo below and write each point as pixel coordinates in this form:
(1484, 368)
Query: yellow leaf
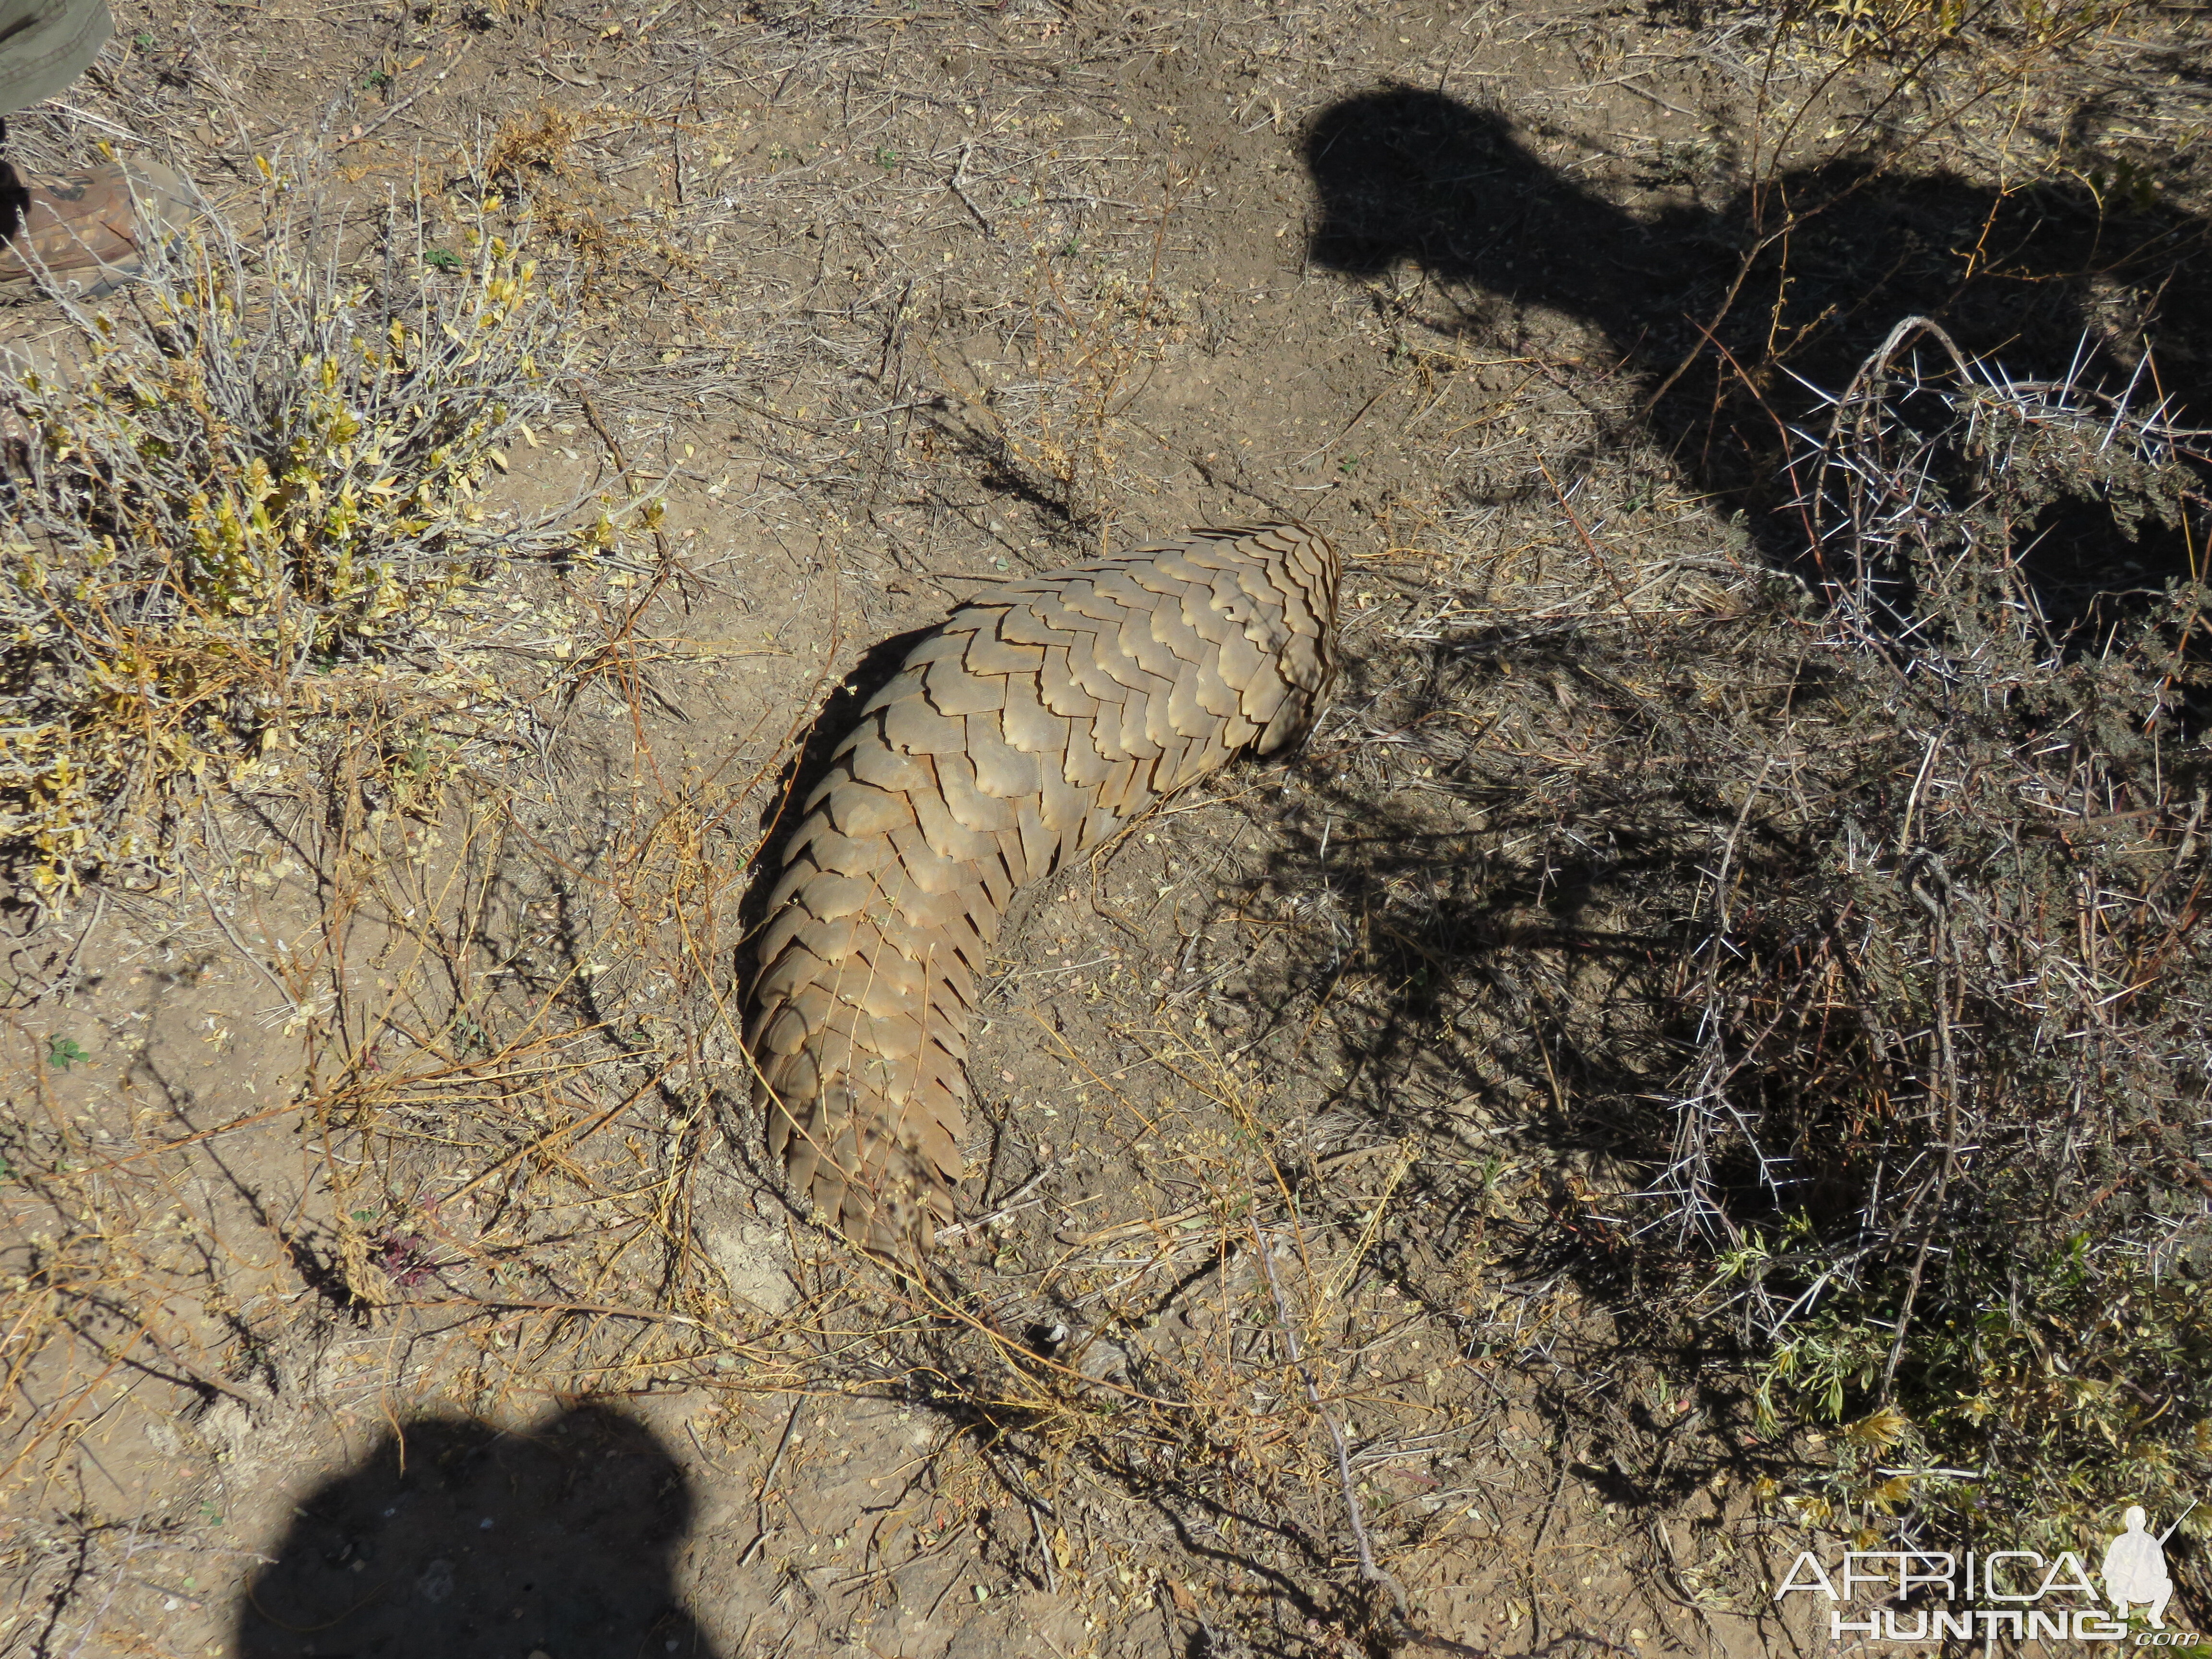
(1883, 1427)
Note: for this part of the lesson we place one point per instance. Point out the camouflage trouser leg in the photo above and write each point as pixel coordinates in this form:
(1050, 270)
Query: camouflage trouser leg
(47, 44)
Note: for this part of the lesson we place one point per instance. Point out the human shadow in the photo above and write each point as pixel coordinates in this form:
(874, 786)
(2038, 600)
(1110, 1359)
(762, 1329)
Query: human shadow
(1723, 313)
(453, 1540)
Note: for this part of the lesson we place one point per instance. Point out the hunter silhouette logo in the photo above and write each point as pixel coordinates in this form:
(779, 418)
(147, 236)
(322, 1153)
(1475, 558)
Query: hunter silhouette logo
(1984, 1593)
(2135, 1568)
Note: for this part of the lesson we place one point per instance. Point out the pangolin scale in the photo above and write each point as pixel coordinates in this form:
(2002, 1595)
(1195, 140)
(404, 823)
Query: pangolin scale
(1025, 731)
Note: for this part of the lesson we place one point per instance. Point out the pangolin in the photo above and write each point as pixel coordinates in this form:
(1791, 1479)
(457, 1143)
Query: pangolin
(1023, 731)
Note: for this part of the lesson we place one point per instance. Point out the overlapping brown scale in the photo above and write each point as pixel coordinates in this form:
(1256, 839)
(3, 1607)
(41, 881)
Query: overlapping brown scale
(952, 690)
(1027, 729)
(911, 725)
(1001, 769)
(988, 653)
(1029, 725)
(1153, 655)
(1171, 625)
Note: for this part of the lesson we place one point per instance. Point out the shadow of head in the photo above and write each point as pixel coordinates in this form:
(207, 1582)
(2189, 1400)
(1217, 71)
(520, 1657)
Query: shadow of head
(454, 1538)
(1406, 175)
(1827, 256)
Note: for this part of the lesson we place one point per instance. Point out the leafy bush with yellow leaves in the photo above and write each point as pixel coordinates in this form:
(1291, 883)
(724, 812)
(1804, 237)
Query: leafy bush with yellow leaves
(250, 469)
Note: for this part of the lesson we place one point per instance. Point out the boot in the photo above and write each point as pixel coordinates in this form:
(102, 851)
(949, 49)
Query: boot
(89, 232)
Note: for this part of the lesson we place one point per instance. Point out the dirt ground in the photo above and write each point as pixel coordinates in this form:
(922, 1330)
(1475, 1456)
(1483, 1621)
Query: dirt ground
(392, 1267)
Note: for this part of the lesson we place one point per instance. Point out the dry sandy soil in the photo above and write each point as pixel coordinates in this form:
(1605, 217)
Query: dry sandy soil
(393, 1270)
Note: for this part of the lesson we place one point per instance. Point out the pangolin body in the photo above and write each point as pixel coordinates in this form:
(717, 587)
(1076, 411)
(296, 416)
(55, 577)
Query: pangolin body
(1026, 730)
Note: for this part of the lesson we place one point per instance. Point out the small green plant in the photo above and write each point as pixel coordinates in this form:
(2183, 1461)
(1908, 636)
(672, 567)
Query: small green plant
(887, 158)
(442, 258)
(62, 1053)
(376, 81)
(2046, 1392)
(2125, 184)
